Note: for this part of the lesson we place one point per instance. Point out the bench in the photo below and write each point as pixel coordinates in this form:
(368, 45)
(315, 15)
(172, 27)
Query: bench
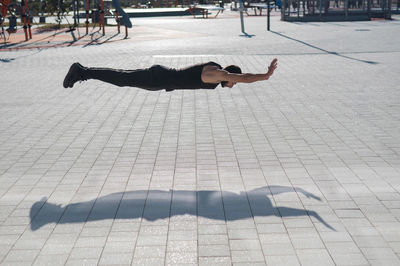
(260, 6)
(204, 10)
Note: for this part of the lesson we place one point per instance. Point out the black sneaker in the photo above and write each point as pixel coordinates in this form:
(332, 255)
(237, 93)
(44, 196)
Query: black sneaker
(74, 74)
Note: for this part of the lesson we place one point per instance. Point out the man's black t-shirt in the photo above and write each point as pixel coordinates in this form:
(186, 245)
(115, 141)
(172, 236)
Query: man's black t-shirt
(185, 78)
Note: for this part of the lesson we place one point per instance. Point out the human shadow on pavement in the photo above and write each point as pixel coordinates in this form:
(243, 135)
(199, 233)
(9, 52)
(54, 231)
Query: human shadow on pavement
(158, 204)
(323, 50)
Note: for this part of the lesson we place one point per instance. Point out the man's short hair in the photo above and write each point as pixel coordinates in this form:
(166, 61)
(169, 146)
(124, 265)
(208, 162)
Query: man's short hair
(231, 69)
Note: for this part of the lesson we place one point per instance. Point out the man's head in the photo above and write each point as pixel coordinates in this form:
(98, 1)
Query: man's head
(231, 69)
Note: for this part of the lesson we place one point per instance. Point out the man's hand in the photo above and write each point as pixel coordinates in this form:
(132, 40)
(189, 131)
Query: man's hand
(272, 67)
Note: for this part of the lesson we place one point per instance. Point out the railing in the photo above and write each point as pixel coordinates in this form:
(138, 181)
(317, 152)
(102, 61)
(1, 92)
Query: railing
(334, 9)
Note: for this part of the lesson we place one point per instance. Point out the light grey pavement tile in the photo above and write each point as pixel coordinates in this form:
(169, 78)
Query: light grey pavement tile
(267, 219)
(125, 226)
(16, 220)
(53, 249)
(11, 229)
(245, 244)
(182, 235)
(67, 229)
(335, 236)
(214, 251)
(181, 258)
(213, 239)
(304, 232)
(148, 261)
(218, 261)
(278, 249)
(395, 246)
(85, 253)
(119, 247)
(151, 240)
(122, 236)
(8, 240)
(21, 255)
(271, 228)
(342, 247)
(83, 262)
(51, 259)
(356, 222)
(297, 223)
(4, 249)
(116, 259)
(99, 223)
(183, 224)
(242, 233)
(338, 226)
(350, 259)
(349, 213)
(314, 257)
(56, 238)
(363, 231)
(182, 246)
(153, 230)
(212, 229)
(389, 231)
(15, 263)
(379, 253)
(241, 224)
(284, 260)
(383, 262)
(152, 252)
(274, 238)
(246, 263)
(247, 256)
(307, 243)
(30, 243)
(90, 242)
(94, 231)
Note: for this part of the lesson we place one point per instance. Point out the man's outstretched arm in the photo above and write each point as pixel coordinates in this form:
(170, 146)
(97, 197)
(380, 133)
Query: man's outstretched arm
(223, 75)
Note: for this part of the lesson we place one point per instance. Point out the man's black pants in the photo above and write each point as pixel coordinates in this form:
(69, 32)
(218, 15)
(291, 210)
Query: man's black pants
(154, 78)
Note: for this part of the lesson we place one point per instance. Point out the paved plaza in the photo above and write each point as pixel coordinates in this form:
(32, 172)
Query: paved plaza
(302, 169)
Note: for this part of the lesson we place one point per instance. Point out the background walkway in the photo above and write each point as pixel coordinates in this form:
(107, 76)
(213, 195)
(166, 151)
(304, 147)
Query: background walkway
(301, 169)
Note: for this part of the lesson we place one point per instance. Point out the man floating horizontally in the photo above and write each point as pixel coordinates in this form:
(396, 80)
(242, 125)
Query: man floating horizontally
(201, 76)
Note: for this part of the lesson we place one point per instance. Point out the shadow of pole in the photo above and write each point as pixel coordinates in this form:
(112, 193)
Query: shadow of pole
(6, 60)
(9, 60)
(108, 39)
(323, 50)
(157, 204)
(22, 44)
(245, 34)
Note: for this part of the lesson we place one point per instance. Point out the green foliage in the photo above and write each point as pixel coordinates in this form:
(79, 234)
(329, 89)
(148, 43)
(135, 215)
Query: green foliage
(34, 7)
(51, 6)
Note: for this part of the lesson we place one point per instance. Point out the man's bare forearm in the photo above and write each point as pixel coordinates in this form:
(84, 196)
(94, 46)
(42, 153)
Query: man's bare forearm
(250, 78)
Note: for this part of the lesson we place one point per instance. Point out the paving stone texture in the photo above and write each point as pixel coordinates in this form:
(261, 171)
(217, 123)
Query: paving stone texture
(302, 169)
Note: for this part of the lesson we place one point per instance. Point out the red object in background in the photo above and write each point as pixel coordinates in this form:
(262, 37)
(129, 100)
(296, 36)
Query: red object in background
(26, 19)
(87, 16)
(102, 16)
(3, 7)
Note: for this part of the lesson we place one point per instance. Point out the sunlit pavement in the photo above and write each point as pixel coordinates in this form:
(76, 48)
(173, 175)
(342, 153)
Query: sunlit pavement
(301, 169)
